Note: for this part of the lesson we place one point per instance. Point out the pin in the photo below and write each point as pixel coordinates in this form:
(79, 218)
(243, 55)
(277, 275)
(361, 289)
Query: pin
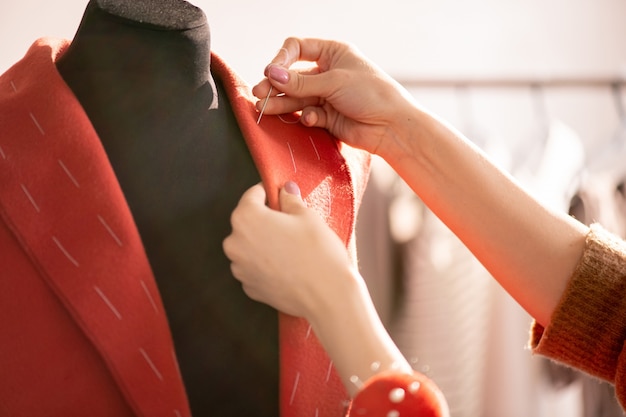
(356, 381)
(264, 104)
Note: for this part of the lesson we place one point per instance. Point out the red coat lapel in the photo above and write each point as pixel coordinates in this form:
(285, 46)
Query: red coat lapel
(59, 196)
(332, 178)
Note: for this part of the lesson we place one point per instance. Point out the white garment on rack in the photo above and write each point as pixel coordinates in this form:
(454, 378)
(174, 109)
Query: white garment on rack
(516, 380)
(441, 326)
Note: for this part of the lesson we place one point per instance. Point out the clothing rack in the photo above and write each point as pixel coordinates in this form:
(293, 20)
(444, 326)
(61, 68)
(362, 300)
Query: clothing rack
(513, 81)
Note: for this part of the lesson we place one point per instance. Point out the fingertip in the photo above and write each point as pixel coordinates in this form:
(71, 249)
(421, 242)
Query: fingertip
(281, 59)
(261, 89)
(256, 90)
(309, 117)
(282, 56)
(291, 198)
(292, 188)
(255, 193)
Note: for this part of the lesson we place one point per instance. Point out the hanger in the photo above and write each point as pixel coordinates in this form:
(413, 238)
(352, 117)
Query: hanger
(612, 156)
(528, 155)
(553, 162)
(466, 115)
(602, 197)
(540, 104)
(497, 147)
(620, 134)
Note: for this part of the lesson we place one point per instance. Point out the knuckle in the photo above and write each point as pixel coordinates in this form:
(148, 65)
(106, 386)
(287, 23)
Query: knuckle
(230, 247)
(237, 220)
(300, 83)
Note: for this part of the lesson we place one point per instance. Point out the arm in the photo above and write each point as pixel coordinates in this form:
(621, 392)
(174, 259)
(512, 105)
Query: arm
(305, 271)
(529, 249)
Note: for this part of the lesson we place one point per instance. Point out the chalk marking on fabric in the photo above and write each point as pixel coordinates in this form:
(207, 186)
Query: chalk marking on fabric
(108, 302)
(69, 174)
(314, 147)
(330, 368)
(65, 252)
(177, 413)
(13, 86)
(110, 231)
(32, 116)
(176, 362)
(151, 364)
(2, 154)
(308, 332)
(264, 104)
(293, 160)
(295, 387)
(288, 122)
(30, 197)
(145, 288)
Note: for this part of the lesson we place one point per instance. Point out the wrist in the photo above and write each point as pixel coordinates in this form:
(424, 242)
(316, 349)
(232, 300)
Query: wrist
(403, 136)
(328, 307)
(350, 330)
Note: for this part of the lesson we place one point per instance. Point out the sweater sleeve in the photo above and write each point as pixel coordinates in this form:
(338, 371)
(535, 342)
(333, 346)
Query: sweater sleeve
(588, 328)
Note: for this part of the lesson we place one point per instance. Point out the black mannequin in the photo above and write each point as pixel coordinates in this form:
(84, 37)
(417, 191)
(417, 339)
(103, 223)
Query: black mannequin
(140, 69)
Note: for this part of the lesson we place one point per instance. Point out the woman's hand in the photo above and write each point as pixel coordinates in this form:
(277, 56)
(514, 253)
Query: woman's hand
(344, 93)
(292, 260)
(289, 259)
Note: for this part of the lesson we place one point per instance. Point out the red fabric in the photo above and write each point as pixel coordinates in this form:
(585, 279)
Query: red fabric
(88, 334)
(392, 394)
(331, 178)
(83, 329)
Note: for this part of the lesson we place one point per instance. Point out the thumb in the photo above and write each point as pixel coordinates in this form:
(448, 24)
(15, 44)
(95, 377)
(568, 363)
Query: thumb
(290, 199)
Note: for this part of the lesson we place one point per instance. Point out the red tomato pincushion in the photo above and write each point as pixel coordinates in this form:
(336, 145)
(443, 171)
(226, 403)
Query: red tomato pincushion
(394, 394)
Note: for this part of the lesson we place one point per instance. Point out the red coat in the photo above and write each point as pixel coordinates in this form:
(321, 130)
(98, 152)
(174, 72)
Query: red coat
(83, 331)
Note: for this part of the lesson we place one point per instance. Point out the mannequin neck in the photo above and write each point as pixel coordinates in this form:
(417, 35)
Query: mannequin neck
(156, 52)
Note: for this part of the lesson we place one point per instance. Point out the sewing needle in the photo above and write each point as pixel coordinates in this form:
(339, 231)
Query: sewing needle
(264, 104)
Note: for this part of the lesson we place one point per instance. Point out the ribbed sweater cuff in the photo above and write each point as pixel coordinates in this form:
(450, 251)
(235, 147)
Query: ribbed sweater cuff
(588, 327)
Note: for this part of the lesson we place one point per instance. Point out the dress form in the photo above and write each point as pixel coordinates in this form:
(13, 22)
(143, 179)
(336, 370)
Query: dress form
(141, 71)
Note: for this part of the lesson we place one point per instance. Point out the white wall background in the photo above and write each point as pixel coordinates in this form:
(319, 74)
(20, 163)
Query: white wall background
(410, 39)
(405, 37)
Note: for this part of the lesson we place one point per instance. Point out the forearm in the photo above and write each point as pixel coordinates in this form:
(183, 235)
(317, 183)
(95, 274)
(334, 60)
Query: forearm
(530, 250)
(350, 330)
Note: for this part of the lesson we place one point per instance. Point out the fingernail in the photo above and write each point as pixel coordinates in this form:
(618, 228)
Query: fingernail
(292, 188)
(278, 74)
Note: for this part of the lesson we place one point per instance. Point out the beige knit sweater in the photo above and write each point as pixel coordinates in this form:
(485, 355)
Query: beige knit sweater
(588, 327)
